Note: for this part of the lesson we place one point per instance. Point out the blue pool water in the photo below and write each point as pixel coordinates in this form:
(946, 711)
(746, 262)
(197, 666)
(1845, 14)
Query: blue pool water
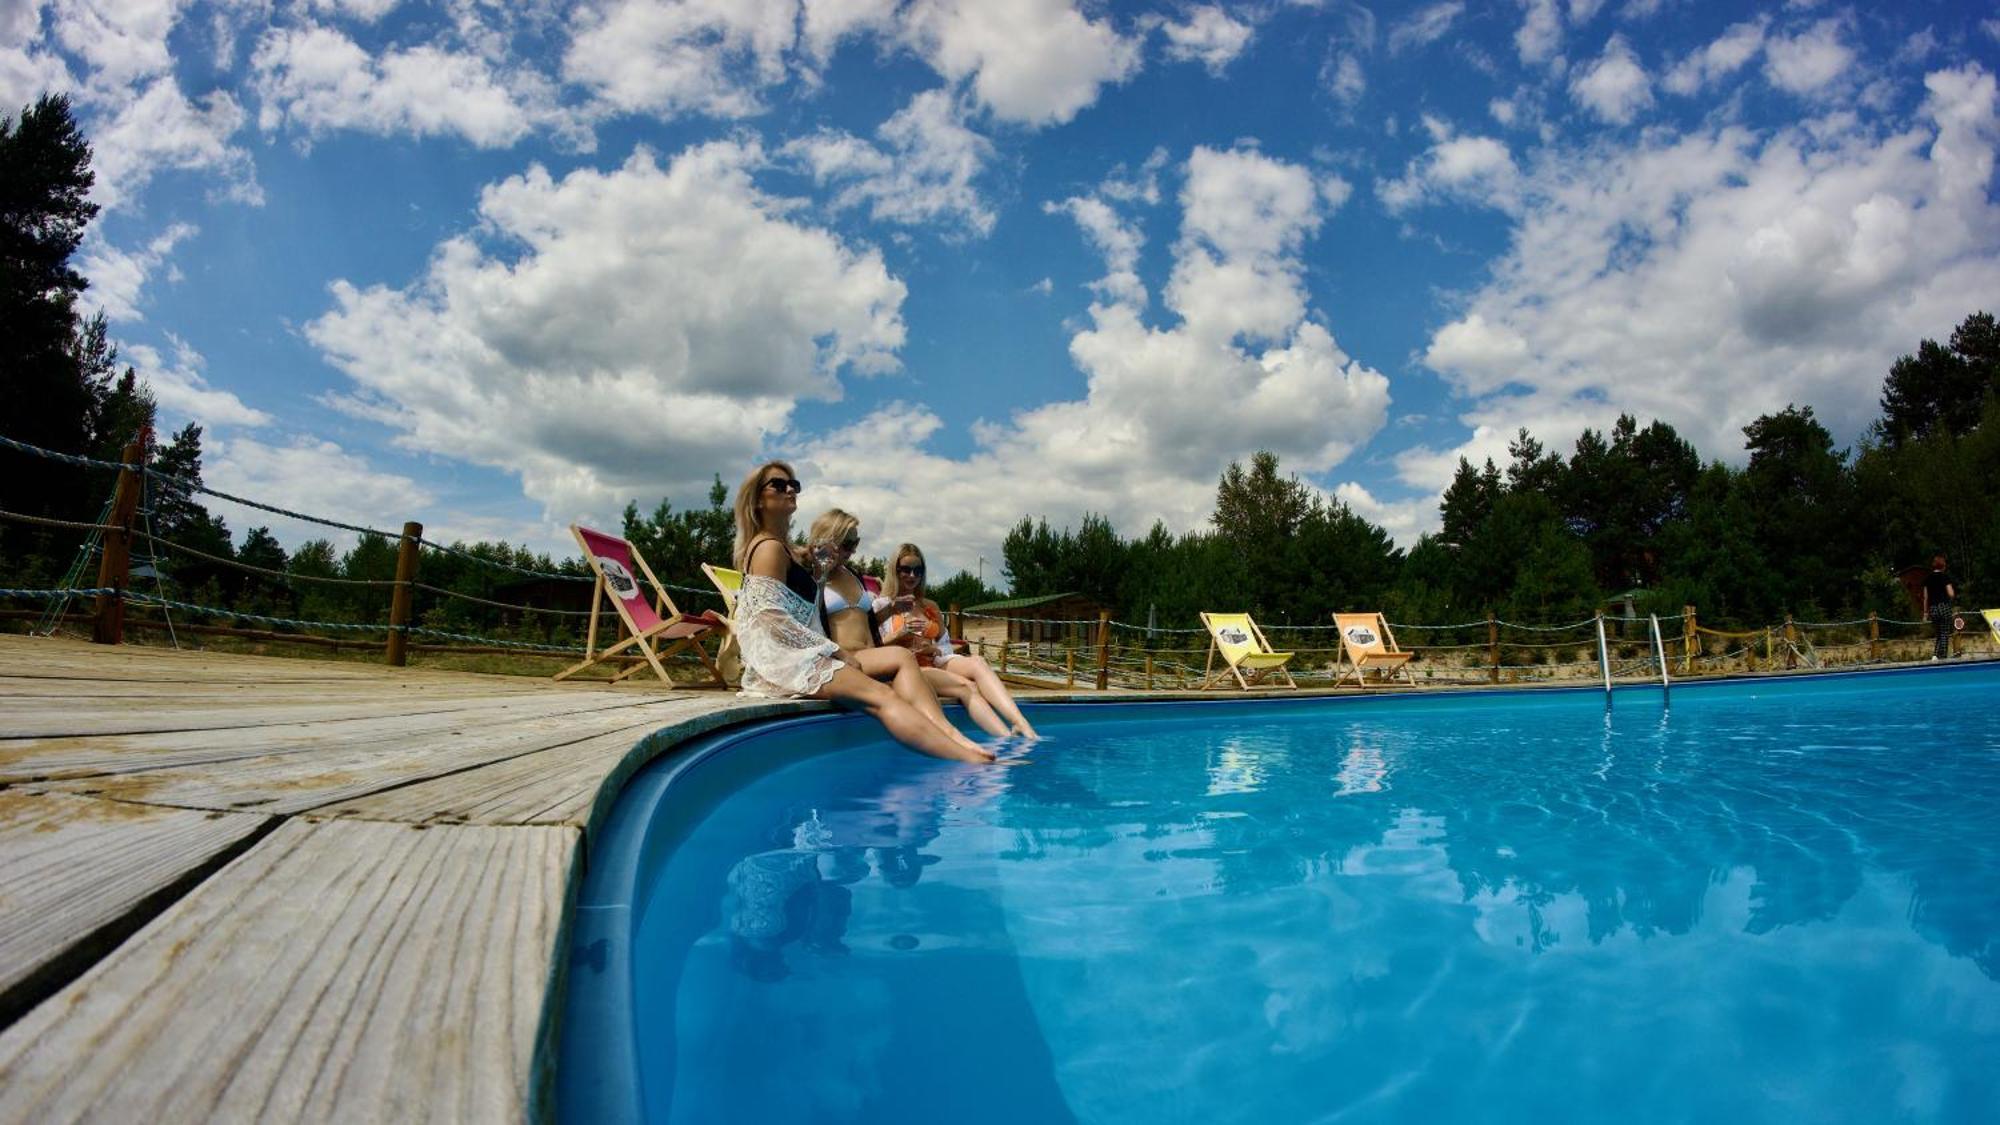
(1776, 902)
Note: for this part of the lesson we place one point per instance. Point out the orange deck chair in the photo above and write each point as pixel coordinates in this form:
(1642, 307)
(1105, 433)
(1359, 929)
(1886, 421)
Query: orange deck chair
(647, 627)
(1242, 645)
(1368, 643)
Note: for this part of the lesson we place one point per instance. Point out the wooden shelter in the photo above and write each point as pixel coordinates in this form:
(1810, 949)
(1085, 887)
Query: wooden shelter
(1043, 620)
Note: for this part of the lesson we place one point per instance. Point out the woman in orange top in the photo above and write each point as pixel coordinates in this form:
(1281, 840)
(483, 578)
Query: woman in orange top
(913, 620)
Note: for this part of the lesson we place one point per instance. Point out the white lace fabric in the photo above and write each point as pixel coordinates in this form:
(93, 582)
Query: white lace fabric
(784, 652)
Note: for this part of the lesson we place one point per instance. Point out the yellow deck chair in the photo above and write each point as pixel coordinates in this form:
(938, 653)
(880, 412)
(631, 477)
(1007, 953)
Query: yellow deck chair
(1992, 617)
(1368, 643)
(1243, 647)
(729, 659)
(618, 565)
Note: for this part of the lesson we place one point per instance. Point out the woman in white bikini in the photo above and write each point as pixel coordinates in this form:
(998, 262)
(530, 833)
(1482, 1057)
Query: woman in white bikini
(785, 651)
(850, 614)
(912, 619)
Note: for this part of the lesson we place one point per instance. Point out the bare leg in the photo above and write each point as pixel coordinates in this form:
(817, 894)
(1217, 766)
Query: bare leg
(982, 676)
(962, 691)
(908, 682)
(904, 722)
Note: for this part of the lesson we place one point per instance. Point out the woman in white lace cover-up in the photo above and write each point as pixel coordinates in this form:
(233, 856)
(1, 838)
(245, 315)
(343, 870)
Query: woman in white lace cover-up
(786, 652)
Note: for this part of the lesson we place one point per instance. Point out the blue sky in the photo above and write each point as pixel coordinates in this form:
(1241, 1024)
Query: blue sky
(501, 266)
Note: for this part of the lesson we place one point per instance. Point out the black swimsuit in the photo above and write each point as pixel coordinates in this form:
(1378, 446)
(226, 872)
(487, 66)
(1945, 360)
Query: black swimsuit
(797, 578)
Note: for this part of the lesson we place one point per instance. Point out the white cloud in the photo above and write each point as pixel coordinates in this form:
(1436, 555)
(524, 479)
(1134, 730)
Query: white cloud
(1615, 87)
(1540, 37)
(1725, 56)
(1343, 77)
(27, 68)
(825, 23)
(120, 41)
(1582, 11)
(1424, 26)
(1711, 277)
(655, 325)
(366, 11)
(1477, 170)
(161, 129)
(1810, 61)
(922, 174)
(317, 79)
(183, 393)
(118, 277)
(1032, 62)
(1243, 367)
(1404, 520)
(311, 475)
(1209, 36)
(675, 57)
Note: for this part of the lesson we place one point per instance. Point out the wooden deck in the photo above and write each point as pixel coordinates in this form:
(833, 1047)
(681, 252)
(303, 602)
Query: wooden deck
(239, 888)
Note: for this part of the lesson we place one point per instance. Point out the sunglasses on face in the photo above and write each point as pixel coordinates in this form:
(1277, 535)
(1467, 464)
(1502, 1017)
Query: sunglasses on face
(784, 484)
(850, 543)
(913, 571)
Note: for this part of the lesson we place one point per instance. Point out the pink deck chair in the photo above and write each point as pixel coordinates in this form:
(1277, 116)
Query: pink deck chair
(647, 627)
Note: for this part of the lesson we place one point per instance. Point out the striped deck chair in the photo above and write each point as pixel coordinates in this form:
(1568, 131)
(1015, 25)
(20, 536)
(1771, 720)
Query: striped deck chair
(646, 627)
(1368, 643)
(1243, 647)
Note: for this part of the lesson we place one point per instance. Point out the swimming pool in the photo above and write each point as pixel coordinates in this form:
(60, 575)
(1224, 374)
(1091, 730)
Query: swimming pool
(1770, 901)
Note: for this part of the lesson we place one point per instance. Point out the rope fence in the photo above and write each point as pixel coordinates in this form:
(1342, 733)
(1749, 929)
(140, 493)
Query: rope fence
(1101, 651)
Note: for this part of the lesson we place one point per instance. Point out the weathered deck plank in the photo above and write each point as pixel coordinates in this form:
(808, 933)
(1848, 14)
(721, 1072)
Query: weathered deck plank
(55, 909)
(34, 759)
(570, 784)
(293, 781)
(340, 970)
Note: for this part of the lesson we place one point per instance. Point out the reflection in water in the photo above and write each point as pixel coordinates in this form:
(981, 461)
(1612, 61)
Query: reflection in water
(1198, 927)
(1362, 770)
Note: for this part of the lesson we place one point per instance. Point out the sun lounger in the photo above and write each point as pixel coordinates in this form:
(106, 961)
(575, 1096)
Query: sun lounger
(618, 565)
(1366, 640)
(1243, 648)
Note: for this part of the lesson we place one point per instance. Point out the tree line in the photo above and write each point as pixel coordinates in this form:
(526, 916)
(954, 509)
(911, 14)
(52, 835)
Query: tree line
(1804, 526)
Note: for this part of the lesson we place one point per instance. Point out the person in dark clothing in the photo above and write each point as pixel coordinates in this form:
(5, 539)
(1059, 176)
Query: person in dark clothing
(1938, 596)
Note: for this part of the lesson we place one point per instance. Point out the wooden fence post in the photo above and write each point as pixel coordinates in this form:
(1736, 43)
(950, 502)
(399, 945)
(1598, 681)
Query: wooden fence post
(1791, 643)
(1149, 671)
(399, 604)
(114, 564)
(1874, 638)
(956, 623)
(1006, 646)
(1069, 667)
(1493, 646)
(1690, 639)
(1103, 649)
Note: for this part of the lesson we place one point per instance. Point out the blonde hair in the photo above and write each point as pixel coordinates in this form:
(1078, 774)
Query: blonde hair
(894, 581)
(832, 526)
(748, 525)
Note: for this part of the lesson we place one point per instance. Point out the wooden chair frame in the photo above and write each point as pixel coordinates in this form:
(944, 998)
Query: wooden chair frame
(646, 641)
(1386, 661)
(728, 656)
(1235, 668)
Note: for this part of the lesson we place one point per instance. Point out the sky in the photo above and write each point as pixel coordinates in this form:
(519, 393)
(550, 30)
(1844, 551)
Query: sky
(501, 266)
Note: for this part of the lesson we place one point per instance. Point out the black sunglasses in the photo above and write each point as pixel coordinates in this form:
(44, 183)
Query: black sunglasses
(909, 569)
(784, 484)
(850, 543)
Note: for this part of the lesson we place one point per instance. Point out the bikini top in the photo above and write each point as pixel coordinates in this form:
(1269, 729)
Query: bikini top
(835, 603)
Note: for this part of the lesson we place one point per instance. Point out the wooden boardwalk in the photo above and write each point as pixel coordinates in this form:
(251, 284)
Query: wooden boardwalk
(235, 888)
